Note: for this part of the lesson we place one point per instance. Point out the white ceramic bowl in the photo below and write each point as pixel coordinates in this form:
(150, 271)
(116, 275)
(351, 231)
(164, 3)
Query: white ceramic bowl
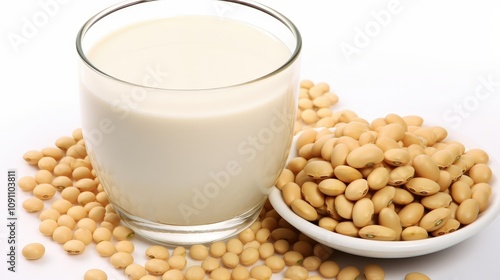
(390, 249)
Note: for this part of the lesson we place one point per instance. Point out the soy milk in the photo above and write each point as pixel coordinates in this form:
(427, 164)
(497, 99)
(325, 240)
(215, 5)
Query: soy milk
(170, 153)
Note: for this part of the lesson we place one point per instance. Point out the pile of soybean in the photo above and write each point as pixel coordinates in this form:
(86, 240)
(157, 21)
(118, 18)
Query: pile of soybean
(74, 212)
(389, 179)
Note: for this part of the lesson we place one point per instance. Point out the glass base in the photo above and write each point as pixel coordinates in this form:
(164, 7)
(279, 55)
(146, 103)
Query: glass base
(189, 235)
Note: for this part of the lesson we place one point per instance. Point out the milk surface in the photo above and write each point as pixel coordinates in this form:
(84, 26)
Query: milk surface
(179, 136)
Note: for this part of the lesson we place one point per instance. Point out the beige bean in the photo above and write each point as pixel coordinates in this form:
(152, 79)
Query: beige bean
(339, 154)
(327, 149)
(32, 156)
(306, 137)
(347, 173)
(386, 143)
(43, 176)
(365, 156)
(347, 228)
(324, 113)
(435, 219)
(290, 192)
(33, 251)
(296, 164)
(304, 210)
(347, 115)
(220, 273)
(378, 178)
(397, 157)
(261, 272)
(284, 233)
(249, 256)
(403, 197)
(351, 143)
(377, 232)
(86, 184)
(422, 186)
(33, 205)
(427, 135)
(444, 180)
(401, 175)
(411, 214)
(437, 200)
(344, 206)
(62, 182)
(27, 183)
(455, 172)
(77, 151)
(479, 155)
(329, 269)
(480, 173)
(450, 226)
(467, 211)
(481, 195)
(440, 132)
(413, 120)
(411, 139)
(320, 143)
(378, 123)
(414, 233)
(293, 258)
(325, 120)
(305, 103)
(74, 247)
(466, 179)
(354, 130)
(362, 212)
(319, 169)
(367, 137)
(296, 272)
(460, 191)
(312, 194)
(322, 251)
(47, 163)
(383, 198)
(302, 177)
(373, 272)
(44, 191)
(453, 209)
(425, 167)
(332, 187)
(443, 158)
(348, 273)
(275, 263)
(240, 273)
(416, 149)
(396, 119)
(416, 276)
(356, 189)
(210, 264)
(394, 131)
(328, 223)
(389, 218)
(194, 272)
(230, 259)
(286, 176)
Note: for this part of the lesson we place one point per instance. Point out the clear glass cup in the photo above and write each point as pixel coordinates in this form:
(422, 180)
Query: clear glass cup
(188, 110)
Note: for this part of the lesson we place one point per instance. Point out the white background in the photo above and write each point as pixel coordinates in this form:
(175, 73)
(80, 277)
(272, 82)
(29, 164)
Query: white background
(426, 58)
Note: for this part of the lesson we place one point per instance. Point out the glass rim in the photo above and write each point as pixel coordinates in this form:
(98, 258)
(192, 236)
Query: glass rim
(249, 3)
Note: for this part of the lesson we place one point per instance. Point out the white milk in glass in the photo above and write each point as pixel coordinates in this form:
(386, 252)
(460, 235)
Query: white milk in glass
(183, 156)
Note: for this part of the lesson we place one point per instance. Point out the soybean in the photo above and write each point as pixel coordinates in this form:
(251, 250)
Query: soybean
(95, 274)
(33, 251)
(467, 211)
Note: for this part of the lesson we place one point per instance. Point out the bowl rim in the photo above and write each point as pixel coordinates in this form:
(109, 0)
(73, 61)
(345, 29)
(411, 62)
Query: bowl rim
(389, 249)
